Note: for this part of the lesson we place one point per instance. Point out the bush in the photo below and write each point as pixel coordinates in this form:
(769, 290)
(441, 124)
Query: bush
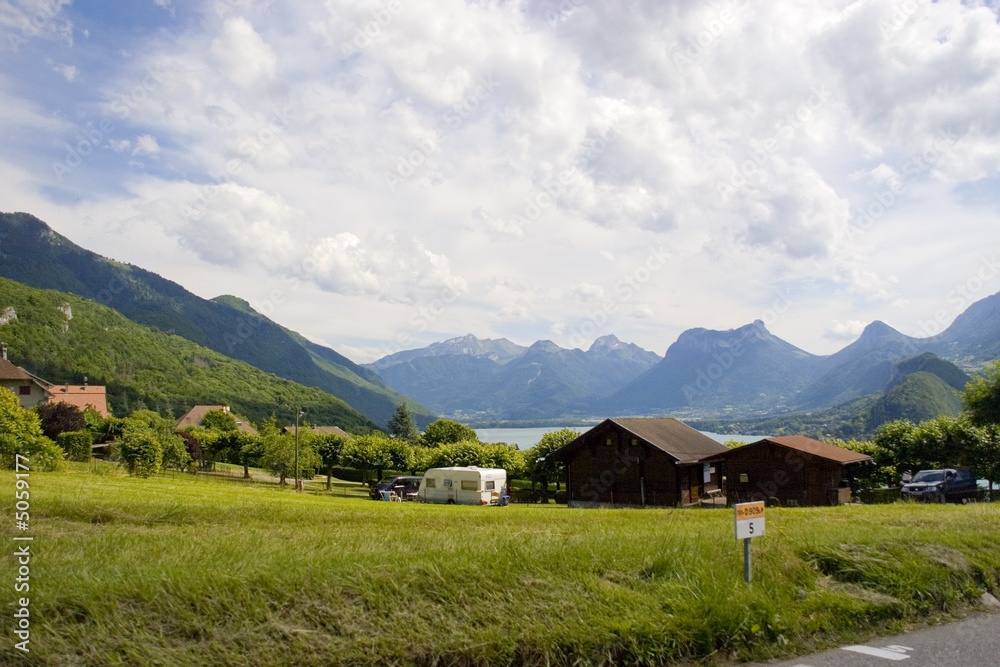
(78, 445)
(140, 451)
(21, 433)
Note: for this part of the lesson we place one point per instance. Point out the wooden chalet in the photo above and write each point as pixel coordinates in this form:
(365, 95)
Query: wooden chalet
(640, 462)
(790, 470)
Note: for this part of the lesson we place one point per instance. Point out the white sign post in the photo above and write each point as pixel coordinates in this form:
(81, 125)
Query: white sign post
(749, 524)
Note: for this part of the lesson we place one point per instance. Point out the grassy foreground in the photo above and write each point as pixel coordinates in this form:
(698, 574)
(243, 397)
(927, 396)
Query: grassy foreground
(181, 570)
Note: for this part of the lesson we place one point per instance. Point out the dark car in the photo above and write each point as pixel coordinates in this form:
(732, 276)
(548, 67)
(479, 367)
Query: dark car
(403, 486)
(940, 486)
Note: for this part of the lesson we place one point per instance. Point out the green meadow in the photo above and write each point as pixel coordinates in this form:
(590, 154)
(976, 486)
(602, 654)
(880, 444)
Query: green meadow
(190, 570)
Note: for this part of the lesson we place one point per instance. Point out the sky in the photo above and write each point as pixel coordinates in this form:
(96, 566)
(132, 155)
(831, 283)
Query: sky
(380, 175)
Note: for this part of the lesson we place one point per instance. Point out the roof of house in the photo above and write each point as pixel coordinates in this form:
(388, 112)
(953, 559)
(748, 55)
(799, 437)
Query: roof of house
(815, 447)
(81, 395)
(673, 437)
(9, 371)
(335, 430)
(195, 415)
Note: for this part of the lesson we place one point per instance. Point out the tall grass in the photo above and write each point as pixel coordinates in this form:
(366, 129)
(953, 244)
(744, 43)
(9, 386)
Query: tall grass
(181, 570)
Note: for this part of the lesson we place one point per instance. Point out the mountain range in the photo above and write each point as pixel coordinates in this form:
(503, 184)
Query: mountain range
(743, 373)
(33, 254)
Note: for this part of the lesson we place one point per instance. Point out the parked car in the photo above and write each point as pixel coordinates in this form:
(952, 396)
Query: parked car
(940, 486)
(404, 486)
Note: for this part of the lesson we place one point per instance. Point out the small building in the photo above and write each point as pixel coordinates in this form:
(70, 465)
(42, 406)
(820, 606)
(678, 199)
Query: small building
(33, 391)
(791, 470)
(30, 390)
(195, 415)
(80, 395)
(640, 462)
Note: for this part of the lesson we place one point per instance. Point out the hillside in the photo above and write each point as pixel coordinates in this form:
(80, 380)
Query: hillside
(743, 371)
(917, 388)
(33, 254)
(476, 379)
(64, 338)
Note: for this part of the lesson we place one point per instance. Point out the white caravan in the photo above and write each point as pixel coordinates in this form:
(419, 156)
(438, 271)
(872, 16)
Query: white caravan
(462, 486)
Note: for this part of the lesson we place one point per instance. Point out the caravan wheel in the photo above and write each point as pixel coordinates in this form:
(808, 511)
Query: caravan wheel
(451, 501)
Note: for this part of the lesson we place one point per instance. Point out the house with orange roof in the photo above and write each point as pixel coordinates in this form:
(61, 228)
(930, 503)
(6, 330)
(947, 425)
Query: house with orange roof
(33, 391)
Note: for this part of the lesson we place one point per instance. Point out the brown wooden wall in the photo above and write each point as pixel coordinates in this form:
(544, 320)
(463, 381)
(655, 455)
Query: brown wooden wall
(774, 471)
(612, 467)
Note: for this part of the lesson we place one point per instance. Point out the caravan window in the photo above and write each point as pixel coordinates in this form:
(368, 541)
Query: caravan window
(469, 485)
(490, 485)
(447, 483)
(431, 483)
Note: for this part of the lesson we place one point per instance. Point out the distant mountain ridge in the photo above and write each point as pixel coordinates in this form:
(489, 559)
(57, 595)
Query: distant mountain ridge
(35, 255)
(746, 372)
(490, 379)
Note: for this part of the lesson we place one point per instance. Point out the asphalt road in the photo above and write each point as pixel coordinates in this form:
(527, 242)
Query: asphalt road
(972, 642)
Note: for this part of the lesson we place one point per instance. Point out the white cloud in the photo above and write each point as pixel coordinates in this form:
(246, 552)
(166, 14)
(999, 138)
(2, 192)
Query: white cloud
(845, 331)
(242, 55)
(145, 144)
(536, 155)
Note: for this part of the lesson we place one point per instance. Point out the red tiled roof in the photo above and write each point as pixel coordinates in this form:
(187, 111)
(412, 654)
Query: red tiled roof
(816, 448)
(81, 396)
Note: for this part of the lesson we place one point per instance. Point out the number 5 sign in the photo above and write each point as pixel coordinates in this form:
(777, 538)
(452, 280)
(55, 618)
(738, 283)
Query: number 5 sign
(749, 523)
(749, 520)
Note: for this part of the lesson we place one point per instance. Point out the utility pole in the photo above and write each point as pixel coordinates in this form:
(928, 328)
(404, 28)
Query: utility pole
(298, 413)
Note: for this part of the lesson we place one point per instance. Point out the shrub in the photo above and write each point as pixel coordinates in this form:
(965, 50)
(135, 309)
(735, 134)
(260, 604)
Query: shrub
(140, 451)
(21, 433)
(78, 445)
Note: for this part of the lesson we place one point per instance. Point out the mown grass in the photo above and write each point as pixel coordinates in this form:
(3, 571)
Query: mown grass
(181, 570)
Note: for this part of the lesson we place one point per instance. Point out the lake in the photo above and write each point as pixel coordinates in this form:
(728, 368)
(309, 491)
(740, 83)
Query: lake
(525, 438)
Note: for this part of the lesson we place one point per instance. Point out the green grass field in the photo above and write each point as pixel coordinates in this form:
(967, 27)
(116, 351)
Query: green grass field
(185, 570)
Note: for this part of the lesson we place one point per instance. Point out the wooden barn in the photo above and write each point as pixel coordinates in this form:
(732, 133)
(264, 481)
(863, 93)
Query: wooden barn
(793, 470)
(640, 462)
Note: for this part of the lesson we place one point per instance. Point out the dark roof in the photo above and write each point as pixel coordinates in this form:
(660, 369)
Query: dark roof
(673, 437)
(195, 415)
(9, 371)
(815, 447)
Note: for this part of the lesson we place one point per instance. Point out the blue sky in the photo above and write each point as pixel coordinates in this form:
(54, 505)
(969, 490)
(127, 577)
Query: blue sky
(381, 175)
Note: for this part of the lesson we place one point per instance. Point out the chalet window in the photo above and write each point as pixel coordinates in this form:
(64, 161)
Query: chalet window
(469, 485)
(431, 483)
(25, 389)
(744, 478)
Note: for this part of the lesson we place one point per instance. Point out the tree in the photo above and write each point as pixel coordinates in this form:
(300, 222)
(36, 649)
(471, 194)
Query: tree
(278, 451)
(543, 469)
(21, 433)
(139, 449)
(366, 453)
(402, 425)
(220, 421)
(59, 418)
(445, 431)
(507, 457)
(174, 453)
(981, 398)
(329, 446)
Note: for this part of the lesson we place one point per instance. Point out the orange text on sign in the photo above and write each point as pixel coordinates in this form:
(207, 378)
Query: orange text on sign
(749, 511)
